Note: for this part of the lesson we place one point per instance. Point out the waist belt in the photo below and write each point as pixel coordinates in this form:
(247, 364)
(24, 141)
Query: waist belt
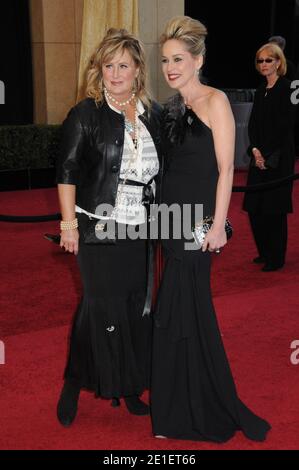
(147, 192)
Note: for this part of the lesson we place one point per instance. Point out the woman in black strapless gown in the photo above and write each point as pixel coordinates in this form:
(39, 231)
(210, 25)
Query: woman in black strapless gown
(193, 395)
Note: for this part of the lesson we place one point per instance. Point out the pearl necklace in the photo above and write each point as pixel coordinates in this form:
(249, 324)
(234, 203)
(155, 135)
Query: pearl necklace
(118, 103)
(132, 128)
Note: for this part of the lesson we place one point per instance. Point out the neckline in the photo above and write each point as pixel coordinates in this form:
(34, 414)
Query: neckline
(273, 86)
(140, 107)
(200, 120)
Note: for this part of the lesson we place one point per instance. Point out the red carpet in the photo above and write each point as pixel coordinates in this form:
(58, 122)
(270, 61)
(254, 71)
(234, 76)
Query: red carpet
(257, 312)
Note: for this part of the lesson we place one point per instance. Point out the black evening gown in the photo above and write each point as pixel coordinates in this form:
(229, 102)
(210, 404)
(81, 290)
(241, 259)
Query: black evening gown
(110, 342)
(193, 395)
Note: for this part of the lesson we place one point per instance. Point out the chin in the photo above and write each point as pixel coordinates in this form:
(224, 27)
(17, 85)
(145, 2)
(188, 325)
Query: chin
(173, 85)
(118, 89)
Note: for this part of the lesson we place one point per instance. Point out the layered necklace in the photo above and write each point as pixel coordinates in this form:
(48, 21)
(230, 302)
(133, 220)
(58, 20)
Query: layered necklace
(131, 127)
(122, 104)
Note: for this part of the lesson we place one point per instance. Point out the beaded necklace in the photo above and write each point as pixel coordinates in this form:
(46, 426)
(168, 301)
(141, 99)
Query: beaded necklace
(118, 103)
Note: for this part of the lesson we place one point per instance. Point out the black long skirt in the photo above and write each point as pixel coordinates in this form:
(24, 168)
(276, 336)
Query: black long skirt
(193, 394)
(110, 340)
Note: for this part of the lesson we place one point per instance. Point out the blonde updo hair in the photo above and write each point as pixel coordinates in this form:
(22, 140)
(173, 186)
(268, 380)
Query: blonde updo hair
(117, 40)
(188, 30)
(277, 53)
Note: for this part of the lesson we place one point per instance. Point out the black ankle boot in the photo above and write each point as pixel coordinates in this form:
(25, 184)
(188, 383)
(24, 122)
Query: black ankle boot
(68, 404)
(136, 406)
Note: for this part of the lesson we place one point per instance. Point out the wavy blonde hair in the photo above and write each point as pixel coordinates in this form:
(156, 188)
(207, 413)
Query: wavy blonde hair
(192, 32)
(277, 53)
(117, 40)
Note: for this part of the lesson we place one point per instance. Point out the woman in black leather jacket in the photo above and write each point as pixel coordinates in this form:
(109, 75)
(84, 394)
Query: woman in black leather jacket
(106, 174)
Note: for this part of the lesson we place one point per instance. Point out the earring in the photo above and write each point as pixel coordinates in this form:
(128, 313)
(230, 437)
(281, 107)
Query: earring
(135, 84)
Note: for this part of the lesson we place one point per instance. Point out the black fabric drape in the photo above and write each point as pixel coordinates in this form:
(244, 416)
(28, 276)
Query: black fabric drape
(16, 63)
(225, 65)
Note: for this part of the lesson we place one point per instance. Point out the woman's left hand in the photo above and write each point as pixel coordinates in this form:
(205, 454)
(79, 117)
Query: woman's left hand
(214, 240)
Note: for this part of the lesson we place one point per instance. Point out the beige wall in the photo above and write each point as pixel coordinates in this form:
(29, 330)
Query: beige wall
(153, 14)
(56, 37)
(56, 27)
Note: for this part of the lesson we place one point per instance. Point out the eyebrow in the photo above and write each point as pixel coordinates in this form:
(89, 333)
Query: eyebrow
(120, 63)
(174, 55)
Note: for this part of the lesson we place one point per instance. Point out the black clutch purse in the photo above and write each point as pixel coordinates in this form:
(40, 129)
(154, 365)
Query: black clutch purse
(94, 232)
(201, 229)
(88, 228)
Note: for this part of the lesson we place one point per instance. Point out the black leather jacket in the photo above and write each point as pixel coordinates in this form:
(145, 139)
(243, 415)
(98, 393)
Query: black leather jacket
(92, 148)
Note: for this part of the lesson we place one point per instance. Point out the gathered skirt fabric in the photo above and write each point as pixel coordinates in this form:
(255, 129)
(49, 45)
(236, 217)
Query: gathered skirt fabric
(193, 394)
(110, 343)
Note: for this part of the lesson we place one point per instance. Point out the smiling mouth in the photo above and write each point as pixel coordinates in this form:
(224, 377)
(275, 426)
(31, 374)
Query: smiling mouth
(173, 77)
(116, 83)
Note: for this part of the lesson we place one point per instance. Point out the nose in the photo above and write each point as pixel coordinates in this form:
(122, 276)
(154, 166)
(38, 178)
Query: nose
(170, 66)
(115, 71)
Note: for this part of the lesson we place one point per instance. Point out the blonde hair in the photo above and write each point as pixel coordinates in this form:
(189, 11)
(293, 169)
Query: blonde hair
(191, 32)
(277, 53)
(117, 40)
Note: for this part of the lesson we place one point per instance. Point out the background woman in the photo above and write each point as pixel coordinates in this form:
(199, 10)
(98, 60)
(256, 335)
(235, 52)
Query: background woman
(272, 150)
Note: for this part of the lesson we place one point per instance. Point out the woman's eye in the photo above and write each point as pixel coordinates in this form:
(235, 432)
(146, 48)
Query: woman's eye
(177, 59)
(123, 66)
(108, 66)
(164, 61)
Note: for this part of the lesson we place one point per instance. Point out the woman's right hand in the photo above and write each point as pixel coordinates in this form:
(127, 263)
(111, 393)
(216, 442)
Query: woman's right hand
(259, 159)
(69, 240)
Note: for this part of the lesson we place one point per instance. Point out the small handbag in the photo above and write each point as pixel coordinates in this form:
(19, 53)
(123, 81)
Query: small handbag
(201, 229)
(91, 228)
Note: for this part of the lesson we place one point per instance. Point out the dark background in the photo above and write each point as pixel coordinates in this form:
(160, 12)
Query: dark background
(236, 30)
(15, 63)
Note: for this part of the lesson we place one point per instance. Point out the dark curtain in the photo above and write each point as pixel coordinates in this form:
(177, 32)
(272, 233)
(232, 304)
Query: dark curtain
(235, 32)
(16, 64)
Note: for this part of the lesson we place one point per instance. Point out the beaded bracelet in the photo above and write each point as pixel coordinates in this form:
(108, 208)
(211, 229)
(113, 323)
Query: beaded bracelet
(68, 224)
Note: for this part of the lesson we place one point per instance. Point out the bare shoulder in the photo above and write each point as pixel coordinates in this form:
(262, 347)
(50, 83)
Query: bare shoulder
(218, 98)
(211, 106)
(219, 106)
